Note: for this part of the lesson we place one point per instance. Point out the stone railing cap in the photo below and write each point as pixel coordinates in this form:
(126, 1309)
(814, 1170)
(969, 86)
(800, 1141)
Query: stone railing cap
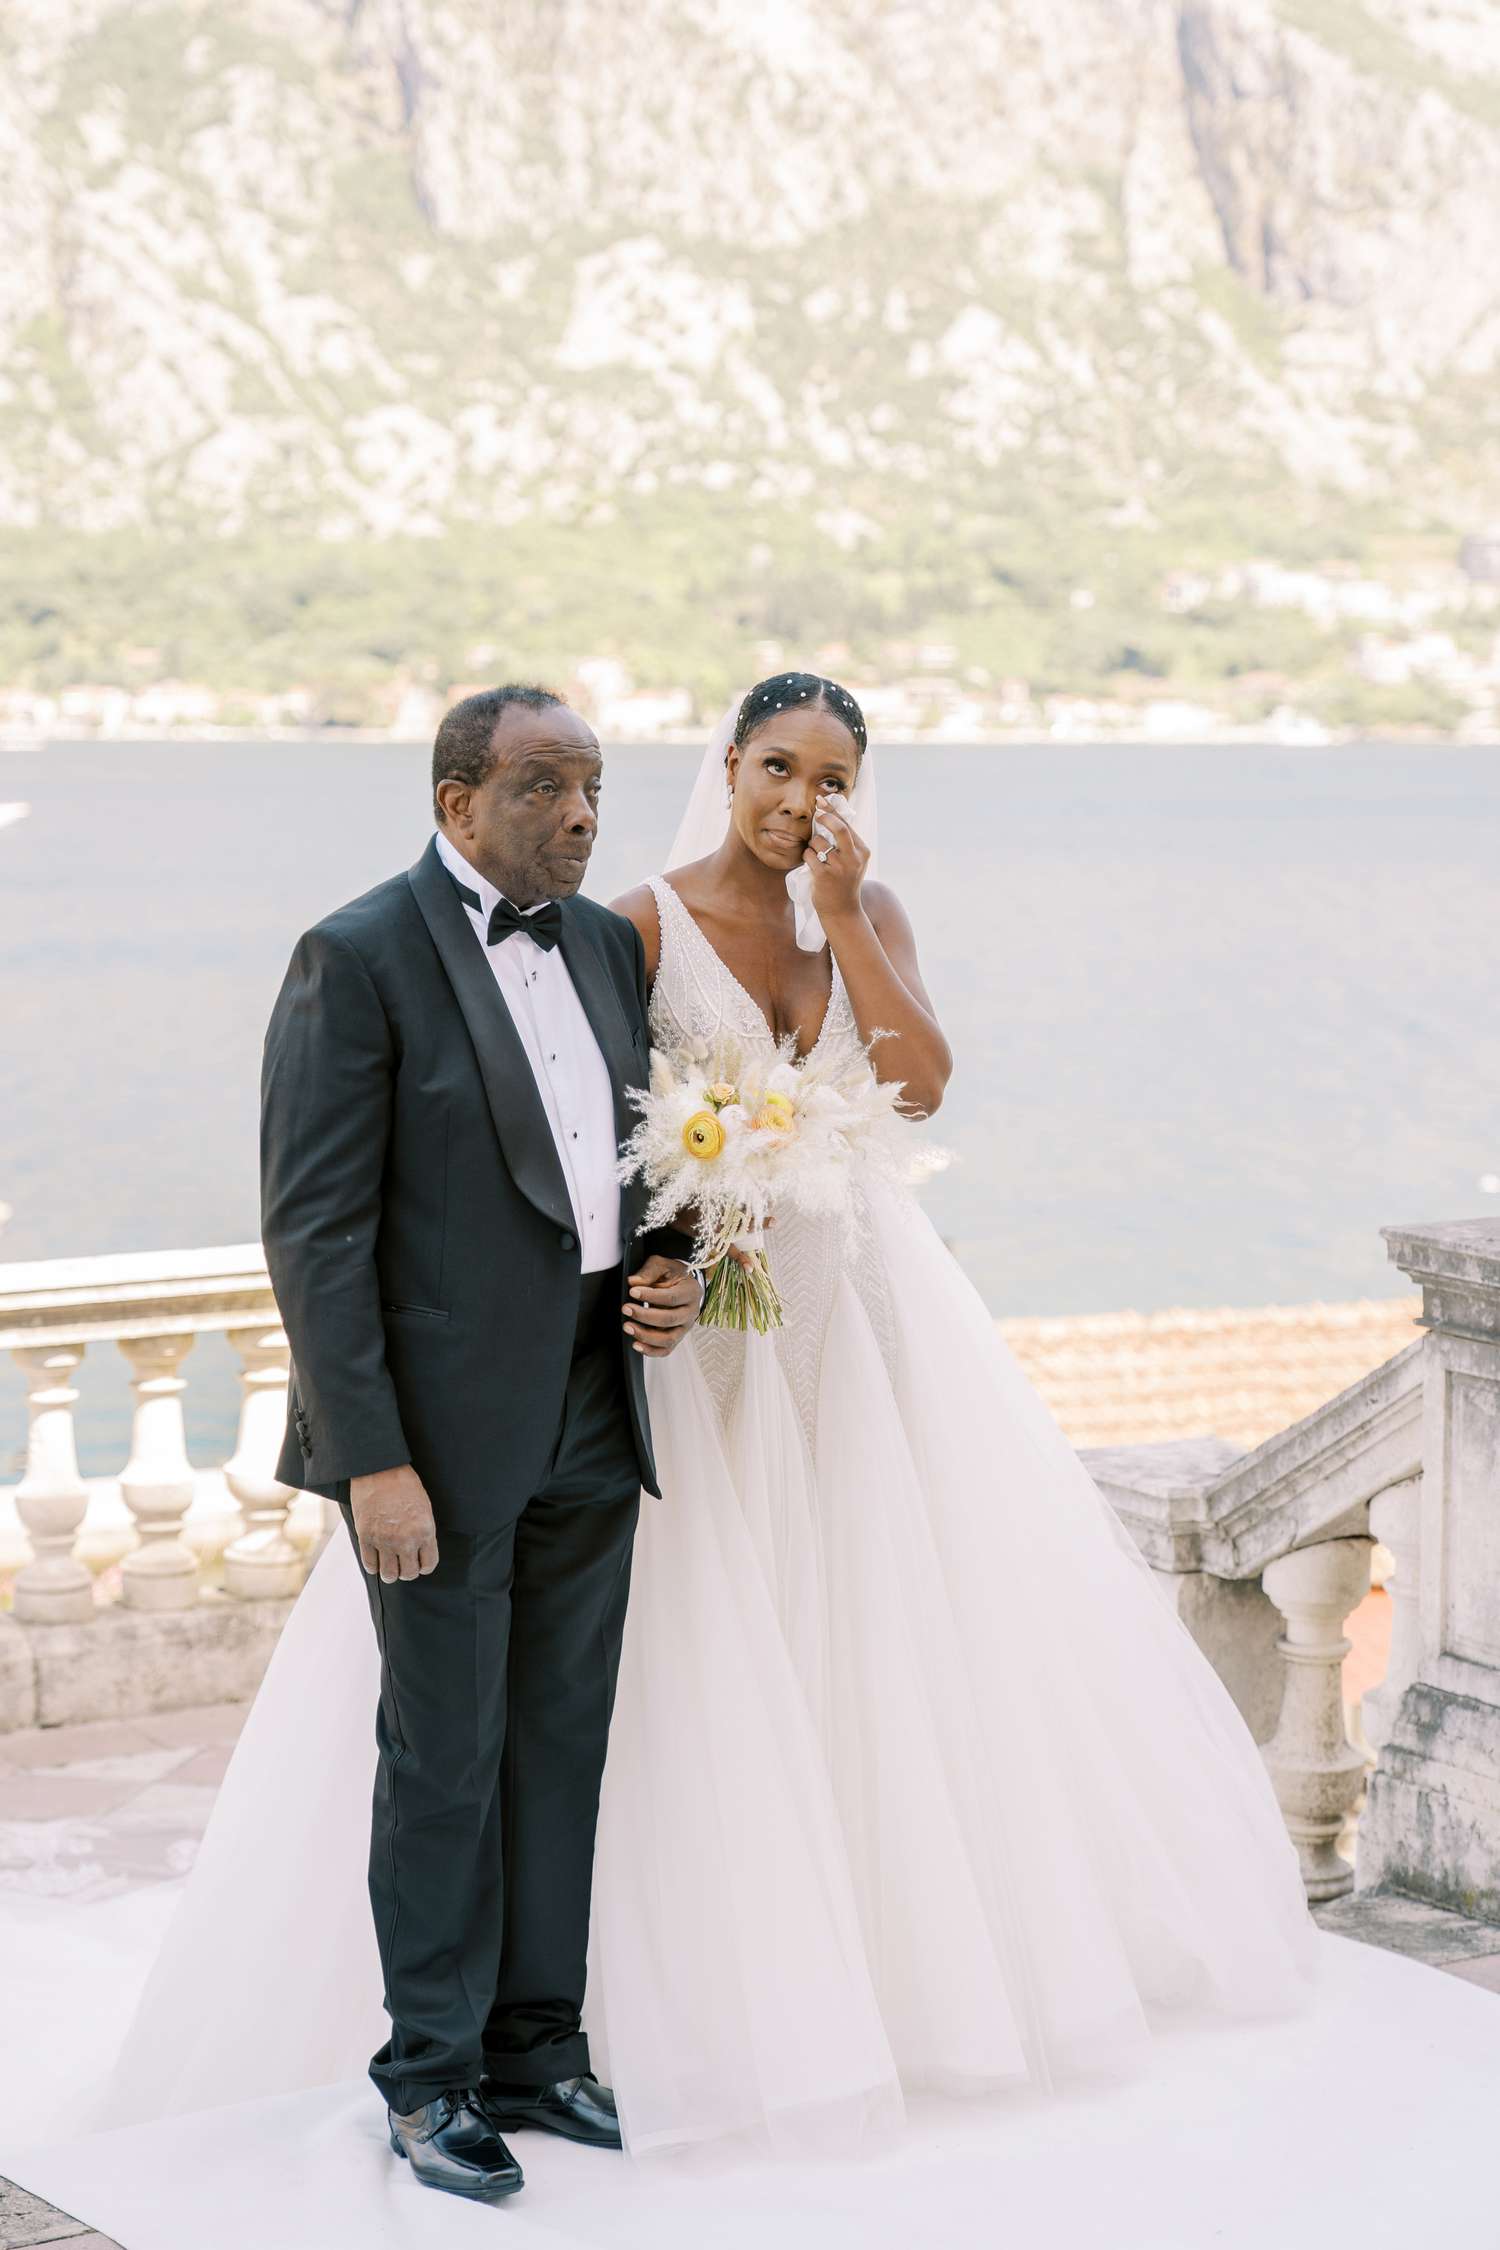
(1455, 1249)
(1169, 1469)
(1458, 1265)
(1204, 1504)
(132, 1293)
(66, 1276)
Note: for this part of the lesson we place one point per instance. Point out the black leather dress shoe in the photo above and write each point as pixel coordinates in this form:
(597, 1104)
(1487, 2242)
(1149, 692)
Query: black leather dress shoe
(578, 2108)
(451, 2143)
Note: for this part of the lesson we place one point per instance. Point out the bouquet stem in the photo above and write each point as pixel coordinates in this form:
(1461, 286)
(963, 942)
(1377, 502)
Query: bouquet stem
(741, 1296)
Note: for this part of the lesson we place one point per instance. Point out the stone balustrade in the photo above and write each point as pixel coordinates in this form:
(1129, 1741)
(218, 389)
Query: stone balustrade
(64, 1652)
(1264, 1554)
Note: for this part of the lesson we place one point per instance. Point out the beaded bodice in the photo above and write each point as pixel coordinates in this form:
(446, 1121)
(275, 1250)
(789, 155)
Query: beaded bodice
(696, 997)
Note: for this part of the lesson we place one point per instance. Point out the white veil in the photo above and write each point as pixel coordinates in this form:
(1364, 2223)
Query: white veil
(706, 818)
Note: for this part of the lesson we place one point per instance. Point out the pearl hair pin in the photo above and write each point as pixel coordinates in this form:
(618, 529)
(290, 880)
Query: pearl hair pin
(760, 703)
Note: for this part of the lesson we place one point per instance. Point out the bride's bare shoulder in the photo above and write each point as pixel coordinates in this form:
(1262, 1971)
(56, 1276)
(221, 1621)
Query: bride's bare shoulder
(639, 906)
(892, 925)
(885, 909)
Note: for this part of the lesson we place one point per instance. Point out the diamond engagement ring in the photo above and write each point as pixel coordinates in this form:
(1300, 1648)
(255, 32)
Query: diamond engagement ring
(822, 855)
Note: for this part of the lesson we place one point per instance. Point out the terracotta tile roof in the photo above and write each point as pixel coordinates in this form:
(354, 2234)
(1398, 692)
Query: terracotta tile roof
(1241, 1373)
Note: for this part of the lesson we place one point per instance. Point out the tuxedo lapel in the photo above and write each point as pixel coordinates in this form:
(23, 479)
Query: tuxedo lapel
(510, 1089)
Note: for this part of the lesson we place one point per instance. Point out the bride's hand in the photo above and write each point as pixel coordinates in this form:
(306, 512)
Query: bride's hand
(746, 1260)
(836, 859)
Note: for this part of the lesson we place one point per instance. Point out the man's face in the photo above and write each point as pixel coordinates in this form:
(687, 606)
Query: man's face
(530, 826)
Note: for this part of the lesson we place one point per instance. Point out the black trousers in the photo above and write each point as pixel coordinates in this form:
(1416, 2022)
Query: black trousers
(497, 1682)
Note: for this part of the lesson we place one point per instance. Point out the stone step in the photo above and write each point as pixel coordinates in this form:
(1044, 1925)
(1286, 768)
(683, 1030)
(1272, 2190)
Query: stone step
(1431, 1934)
(26, 2222)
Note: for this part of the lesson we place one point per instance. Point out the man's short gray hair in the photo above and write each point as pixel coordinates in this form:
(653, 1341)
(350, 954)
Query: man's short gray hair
(464, 748)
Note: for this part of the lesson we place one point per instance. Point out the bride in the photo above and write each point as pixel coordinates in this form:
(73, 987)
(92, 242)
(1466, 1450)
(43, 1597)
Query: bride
(915, 1781)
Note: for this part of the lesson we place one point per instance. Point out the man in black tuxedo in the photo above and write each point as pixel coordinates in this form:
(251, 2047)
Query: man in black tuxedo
(444, 1094)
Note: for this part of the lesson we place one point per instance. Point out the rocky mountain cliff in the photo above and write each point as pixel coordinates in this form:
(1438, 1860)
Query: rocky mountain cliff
(979, 277)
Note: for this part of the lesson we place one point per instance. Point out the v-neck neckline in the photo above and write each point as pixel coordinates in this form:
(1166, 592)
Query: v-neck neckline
(747, 996)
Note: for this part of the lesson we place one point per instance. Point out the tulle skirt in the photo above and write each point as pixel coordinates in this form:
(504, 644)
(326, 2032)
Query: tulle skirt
(915, 1780)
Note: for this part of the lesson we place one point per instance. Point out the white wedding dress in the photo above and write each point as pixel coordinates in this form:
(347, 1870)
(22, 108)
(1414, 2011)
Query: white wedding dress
(914, 1780)
(916, 1787)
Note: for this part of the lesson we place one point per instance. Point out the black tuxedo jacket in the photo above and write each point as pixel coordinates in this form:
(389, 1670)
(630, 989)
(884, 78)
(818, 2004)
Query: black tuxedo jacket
(415, 1216)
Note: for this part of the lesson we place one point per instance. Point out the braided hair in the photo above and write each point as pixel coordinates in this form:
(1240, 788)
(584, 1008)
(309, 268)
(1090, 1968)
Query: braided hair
(465, 746)
(798, 691)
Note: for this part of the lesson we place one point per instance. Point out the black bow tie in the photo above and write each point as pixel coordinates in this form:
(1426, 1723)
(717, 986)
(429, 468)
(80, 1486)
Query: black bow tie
(543, 926)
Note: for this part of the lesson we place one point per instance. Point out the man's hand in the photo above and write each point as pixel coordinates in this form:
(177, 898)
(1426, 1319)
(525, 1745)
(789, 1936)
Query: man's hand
(394, 1523)
(664, 1302)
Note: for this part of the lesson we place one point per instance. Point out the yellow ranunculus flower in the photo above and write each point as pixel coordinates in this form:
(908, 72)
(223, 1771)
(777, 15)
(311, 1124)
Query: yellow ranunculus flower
(777, 1112)
(703, 1135)
(721, 1093)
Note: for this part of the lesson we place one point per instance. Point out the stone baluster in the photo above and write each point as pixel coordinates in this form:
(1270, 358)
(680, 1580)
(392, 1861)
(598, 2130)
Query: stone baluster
(1396, 1521)
(262, 1564)
(157, 1481)
(1315, 1769)
(54, 1588)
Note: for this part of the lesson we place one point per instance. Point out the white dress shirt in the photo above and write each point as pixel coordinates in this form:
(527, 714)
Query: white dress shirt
(571, 1074)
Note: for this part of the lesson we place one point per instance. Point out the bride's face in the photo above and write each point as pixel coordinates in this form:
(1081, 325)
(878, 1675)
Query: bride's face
(791, 759)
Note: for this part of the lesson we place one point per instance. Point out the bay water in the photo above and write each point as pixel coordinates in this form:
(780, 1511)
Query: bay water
(1219, 1013)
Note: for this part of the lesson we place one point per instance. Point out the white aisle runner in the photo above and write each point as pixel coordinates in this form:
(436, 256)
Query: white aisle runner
(1370, 2124)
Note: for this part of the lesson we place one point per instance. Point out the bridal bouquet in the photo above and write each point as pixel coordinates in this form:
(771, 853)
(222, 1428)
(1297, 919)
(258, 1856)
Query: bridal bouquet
(732, 1141)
